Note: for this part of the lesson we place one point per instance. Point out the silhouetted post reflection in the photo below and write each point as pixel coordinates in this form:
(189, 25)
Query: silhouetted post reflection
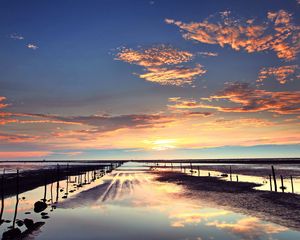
(51, 192)
(274, 178)
(57, 183)
(17, 200)
(292, 184)
(40, 206)
(270, 179)
(230, 173)
(2, 196)
(237, 178)
(282, 186)
(45, 187)
(198, 171)
(14, 233)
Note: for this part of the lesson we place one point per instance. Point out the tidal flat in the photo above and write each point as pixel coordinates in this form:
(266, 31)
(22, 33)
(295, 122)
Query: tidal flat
(150, 201)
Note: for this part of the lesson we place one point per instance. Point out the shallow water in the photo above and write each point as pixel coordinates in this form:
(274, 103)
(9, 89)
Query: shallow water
(264, 181)
(130, 204)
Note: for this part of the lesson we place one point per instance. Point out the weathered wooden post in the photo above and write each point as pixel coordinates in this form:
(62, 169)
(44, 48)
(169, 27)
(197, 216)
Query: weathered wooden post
(191, 168)
(237, 178)
(2, 195)
(209, 174)
(270, 179)
(274, 178)
(67, 190)
(282, 186)
(230, 173)
(45, 186)
(292, 184)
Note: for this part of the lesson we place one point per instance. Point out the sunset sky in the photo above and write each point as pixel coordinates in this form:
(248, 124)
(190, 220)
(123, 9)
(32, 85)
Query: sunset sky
(87, 79)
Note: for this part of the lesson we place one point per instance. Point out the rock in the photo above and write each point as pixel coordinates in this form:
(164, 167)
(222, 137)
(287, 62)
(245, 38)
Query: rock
(39, 206)
(14, 233)
(19, 223)
(28, 223)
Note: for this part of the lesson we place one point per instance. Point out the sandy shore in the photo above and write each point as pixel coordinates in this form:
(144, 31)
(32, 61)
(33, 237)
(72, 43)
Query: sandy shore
(279, 208)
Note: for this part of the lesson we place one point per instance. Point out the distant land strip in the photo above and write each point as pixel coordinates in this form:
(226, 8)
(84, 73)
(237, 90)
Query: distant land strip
(208, 161)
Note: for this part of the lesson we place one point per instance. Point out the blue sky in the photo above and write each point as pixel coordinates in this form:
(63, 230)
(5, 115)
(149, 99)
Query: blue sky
(66, 88)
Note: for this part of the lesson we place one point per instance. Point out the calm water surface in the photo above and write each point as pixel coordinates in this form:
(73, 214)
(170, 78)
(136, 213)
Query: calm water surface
(130, 204)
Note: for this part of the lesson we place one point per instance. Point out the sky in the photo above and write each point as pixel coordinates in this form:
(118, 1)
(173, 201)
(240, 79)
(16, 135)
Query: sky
(142, 79)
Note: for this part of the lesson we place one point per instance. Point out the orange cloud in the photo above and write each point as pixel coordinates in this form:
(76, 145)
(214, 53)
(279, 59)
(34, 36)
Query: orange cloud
(14, 155)
(17, 138)
(183, 103)
(255, 100)
(2, 105)
(281, 74)
(177, 76)
(240, 122)
(157, 61)
(278, 33)
(154, 56)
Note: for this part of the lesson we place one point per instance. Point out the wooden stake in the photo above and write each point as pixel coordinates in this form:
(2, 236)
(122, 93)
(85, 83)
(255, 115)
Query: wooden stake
(292, 184)
(282, 186)
(2, 196)
(274, 178)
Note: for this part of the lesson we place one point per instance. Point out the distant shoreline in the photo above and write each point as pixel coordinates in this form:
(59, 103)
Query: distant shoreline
(216, 160)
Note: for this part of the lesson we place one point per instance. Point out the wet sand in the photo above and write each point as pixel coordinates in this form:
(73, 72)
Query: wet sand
(279, 208)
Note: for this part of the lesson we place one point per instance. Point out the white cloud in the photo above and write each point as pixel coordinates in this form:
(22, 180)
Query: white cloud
(32, 46)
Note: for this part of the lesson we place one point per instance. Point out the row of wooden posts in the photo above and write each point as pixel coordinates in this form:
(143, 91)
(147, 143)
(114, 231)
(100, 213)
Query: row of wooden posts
(78, 181)
(282, 187)
(271, 176)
